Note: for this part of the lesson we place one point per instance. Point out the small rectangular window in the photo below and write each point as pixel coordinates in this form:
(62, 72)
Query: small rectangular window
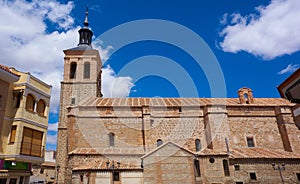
(198, 144)
(54, 155)
(116, 176)
(73, 101)
(86, 73)
(13, 134)
(226, 168)
(252, 176)
(179, 109)
(151, 122)
(111, 137)
(250, 142)
(197, 168)
(13, 181)
(21, 180)
(73, 67)
(237, 167)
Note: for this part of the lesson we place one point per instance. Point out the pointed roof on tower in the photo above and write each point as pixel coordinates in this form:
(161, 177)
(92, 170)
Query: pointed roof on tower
(86, 22)
(85, 35)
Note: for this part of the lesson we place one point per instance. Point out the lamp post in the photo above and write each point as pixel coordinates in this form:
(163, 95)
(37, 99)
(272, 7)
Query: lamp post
(57, 170)
(113, 168)
(279, 167)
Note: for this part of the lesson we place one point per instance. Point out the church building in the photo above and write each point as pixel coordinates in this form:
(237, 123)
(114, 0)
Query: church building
(169, 140)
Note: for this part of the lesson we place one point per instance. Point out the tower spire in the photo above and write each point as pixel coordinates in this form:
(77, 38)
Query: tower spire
(85, 33)
(86, 22)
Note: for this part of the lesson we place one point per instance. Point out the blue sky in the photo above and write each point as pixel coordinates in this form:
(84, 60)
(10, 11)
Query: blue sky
(256, 44)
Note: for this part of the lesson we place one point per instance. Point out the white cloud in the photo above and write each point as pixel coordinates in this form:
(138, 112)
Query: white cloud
(52, 126)
(51, 139)
(113, 86)
(52, 135)
(289, 69)
(58, 14)
(104, 52)
(27, 45)
(273, 31)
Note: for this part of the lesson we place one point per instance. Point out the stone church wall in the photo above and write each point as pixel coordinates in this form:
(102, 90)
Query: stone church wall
(263, 130)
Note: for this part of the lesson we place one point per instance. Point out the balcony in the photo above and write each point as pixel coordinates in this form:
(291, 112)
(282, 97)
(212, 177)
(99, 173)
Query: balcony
(20, 149)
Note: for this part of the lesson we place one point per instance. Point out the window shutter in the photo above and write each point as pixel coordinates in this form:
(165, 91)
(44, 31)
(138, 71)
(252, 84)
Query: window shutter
(13, 134)
(36, 143)
(26, 142)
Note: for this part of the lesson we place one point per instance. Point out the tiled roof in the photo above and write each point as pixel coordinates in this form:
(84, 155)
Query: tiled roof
(164, 145)
(210, 152)
(262, 153)
(107, 151)
(7, 69)
(93, 101)
(48, 164)
(101, 165)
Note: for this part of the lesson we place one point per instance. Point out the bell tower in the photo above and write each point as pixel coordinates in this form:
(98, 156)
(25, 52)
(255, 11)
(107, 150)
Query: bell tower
(81, 80)
(82, 69)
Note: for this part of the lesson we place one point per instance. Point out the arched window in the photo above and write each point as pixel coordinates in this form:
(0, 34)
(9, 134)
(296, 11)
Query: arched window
(41, 107)
(30, 103)
(86, 71)
(198, 145)
(73, 67)
(159, 142)
(111, 137)
(246, 98)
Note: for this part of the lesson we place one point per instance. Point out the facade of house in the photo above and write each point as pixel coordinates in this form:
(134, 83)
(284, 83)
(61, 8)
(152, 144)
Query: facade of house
(44, 172)
(290, 90)
(24, 121)
(169, 140)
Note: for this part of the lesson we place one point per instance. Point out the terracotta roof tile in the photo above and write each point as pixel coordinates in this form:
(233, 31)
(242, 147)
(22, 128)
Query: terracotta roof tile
(163, 146)
(210, 152)
(156, 102)
(262, 153)
(7, 69)
(49, 164)
(100, 164)
(107, 151)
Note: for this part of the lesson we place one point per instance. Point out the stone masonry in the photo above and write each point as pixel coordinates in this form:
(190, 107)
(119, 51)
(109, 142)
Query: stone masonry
(169, 140)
